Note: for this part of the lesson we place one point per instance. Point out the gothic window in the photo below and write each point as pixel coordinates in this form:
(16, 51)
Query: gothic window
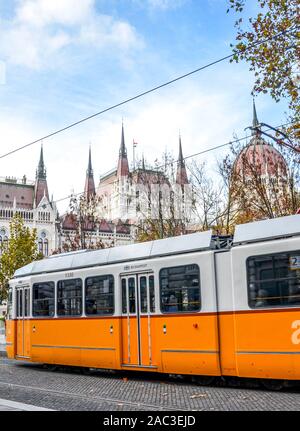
(3, 239)
(46, 248)
(43, 244)
(40, 245)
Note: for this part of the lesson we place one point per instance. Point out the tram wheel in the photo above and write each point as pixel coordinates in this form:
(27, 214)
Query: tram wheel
(273, 385)
(203, 380)
(233, 382)
(50, 367)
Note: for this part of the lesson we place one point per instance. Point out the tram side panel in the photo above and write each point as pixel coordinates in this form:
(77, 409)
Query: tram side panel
(87, 342)
(266, 284)
(226, 317)
(11, 337)
(187, 342)
(11, 327)
(18, 324)
(77, 340)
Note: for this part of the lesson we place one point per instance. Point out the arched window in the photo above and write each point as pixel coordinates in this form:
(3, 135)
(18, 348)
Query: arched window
(43, 244)
(46, 247)
(40, 245)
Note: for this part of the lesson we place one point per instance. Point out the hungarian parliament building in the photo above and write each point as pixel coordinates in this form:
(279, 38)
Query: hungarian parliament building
(116, 216)
(115, 202)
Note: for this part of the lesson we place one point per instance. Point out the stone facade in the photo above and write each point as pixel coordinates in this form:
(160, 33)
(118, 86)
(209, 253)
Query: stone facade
(116, 212)
(119, 190)
(29, 199)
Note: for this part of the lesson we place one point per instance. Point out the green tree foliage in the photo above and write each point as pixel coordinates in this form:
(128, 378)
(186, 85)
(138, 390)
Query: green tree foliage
(275, 62)
(20, 250)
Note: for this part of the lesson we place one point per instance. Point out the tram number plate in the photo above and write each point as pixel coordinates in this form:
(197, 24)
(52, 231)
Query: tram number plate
(294, 262)
(69, 274)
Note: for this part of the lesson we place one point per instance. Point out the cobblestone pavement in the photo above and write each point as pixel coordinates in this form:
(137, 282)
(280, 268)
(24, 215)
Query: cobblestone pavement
(70, 390)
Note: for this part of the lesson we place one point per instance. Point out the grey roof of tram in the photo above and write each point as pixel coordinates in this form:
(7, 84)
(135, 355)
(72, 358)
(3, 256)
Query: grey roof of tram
(267, 229)
(246, 233)
(163, 247)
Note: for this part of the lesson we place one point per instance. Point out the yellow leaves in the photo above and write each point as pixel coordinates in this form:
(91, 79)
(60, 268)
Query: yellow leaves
(274, 61)
(21, 250)
(241, 47)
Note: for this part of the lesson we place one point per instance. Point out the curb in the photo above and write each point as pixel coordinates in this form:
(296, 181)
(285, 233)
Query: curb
(21, 406)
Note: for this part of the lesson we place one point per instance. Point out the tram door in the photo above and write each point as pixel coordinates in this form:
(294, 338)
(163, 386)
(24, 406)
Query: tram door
(138, 305)
(23, 321)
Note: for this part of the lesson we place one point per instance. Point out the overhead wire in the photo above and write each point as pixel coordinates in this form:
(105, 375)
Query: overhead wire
(257, 43)
(72, 195)
(139, 96)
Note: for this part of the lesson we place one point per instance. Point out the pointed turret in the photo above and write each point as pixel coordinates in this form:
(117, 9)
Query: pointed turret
(89, 189)
(255, 122)
(123, 167)
(41, 187)
(181, 177)
(90, 169)
(41, 171)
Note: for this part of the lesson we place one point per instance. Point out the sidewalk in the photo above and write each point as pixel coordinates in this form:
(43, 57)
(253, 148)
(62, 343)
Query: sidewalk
(8, 406)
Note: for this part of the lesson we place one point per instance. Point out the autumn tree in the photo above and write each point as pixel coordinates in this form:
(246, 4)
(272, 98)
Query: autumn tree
(84, 216)
(21, 249)
(160, 209)
(269, 42)
(209, 201)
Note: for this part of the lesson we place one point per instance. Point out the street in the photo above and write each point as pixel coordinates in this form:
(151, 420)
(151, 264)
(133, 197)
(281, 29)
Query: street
(70, 390)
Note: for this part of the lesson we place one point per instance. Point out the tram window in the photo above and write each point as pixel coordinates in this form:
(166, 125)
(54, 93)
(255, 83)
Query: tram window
(9, 304)
(124, 296)
(69, 297)
(143, 295)
(19, 303)
(131, 295)
(151, 294)
(274, 280)
(99, 295)
(180, 289)
(43, 299)
(26, 303)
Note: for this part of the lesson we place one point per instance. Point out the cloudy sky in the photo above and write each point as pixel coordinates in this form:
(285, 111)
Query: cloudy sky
(62, 60)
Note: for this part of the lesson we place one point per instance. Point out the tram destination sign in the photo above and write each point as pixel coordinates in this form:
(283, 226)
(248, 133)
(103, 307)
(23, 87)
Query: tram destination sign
(294, 262)
(135, 267)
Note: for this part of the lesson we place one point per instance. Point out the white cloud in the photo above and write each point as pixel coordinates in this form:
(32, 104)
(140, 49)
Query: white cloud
(166, 4)
(41, 29)
(161, 4)
(103, 31)
(44, 12)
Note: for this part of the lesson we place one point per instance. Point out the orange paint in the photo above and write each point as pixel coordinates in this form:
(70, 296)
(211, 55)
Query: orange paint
(247, 344)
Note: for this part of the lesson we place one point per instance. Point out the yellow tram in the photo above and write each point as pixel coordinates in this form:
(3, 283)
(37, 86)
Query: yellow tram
(186, 305)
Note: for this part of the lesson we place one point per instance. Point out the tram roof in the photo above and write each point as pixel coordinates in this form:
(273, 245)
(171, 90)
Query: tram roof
(267, 229)
(250, 232)
(89, 258)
